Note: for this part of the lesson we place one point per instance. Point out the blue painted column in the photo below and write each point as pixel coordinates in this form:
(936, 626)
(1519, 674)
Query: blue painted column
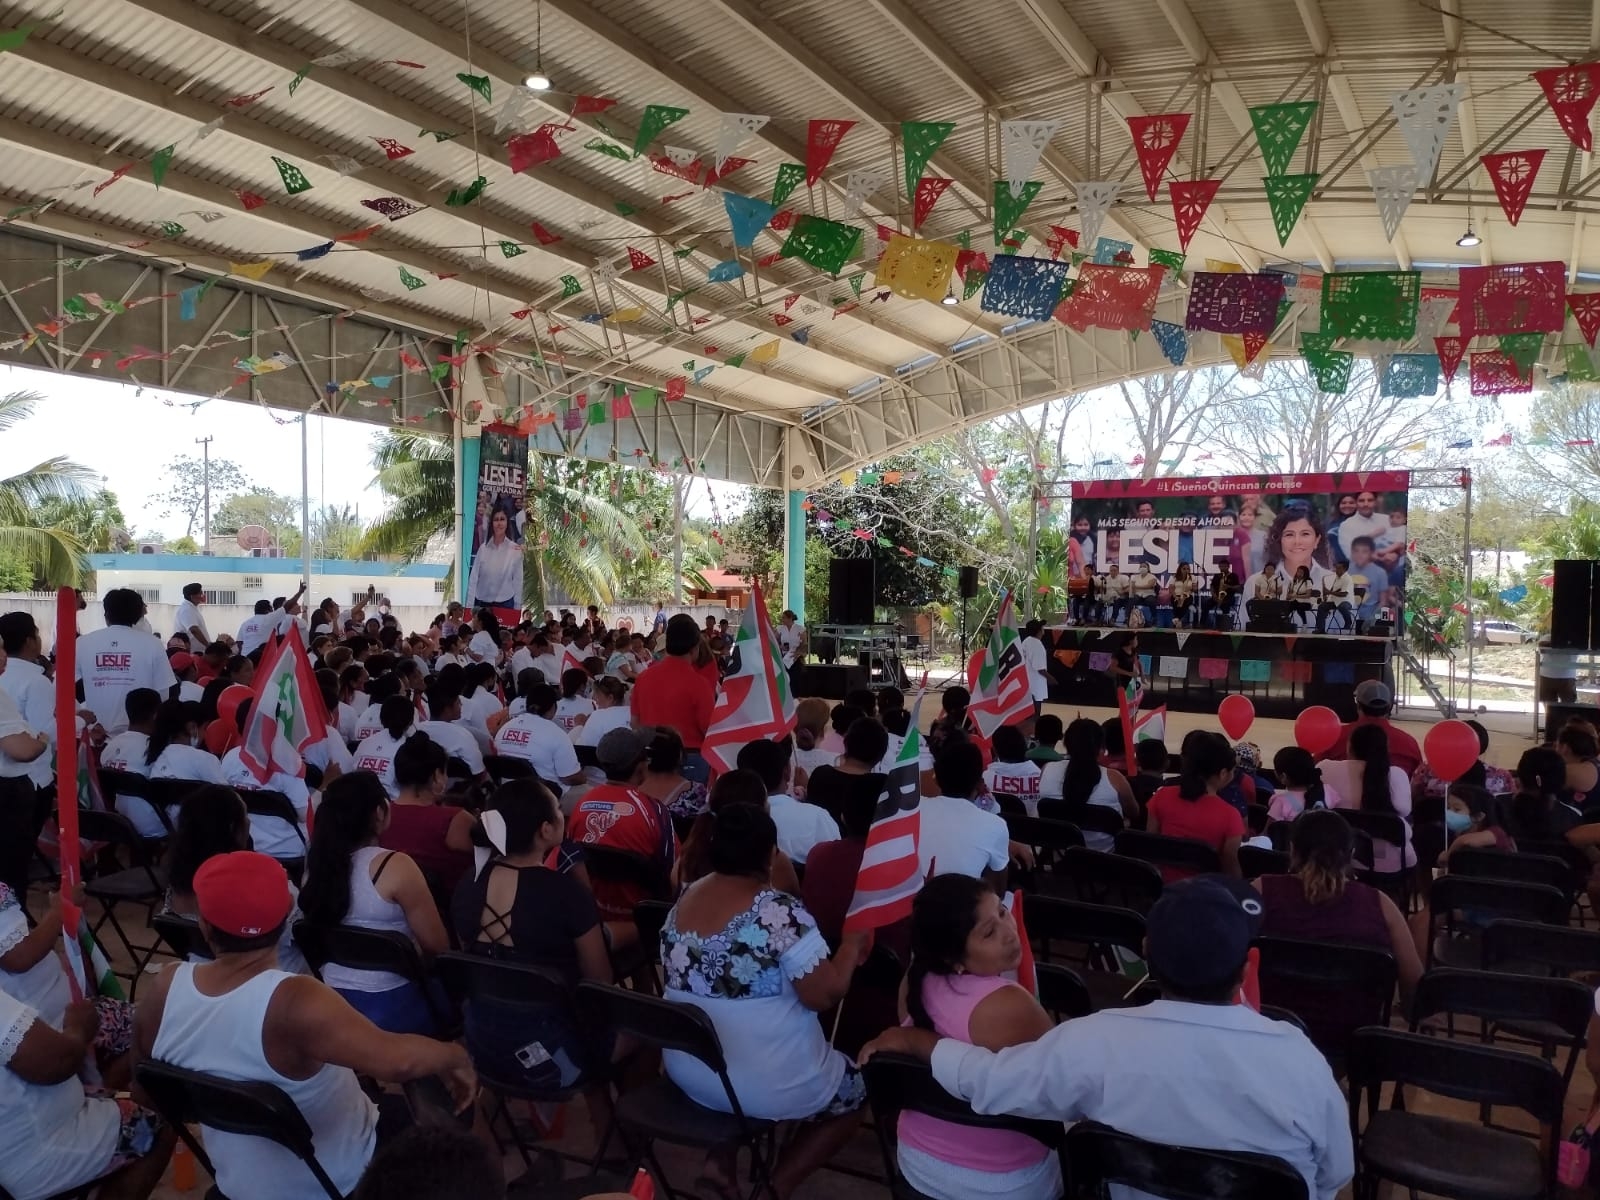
(794, 555)
(467, 452)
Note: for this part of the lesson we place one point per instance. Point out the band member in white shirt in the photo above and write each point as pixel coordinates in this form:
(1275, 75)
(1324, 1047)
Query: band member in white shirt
(1338, 594)
(1114, 593)
(791, 636)
(1144, 587)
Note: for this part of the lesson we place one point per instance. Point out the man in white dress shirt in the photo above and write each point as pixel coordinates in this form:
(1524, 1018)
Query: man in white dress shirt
(1195, 1068)
(1367, 521)
(190, 623)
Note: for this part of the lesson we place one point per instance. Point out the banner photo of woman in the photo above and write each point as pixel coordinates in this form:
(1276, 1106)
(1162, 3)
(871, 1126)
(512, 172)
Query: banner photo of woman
(1264, 553)
(499, 523)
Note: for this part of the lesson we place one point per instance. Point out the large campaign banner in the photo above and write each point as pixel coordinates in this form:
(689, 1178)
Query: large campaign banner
(1249, 523)
(499, 523)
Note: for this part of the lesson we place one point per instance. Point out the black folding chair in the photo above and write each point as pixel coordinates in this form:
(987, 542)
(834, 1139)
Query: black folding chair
(182, 934)
(374, 950)
(141, 883)
(1545, 1012)
(260, 802)
(1309, 978)
(1010, 806)
(620, 867)
(1094, 1156)
(659, 1111)
(1095, 934)
(1533, 948)
(1373, 827)
(1062, 991)
(504, 767)
(897, 1084)
(1090, 818)
(517, 987)
(1174, 853)
(1483, 899)
(1519, 867)
(1440, 1155)
(1256, 861)
(1100, 877)
(114, 785)
(650, 918)
(166, 796)
(260, 1110)
(1049, 839)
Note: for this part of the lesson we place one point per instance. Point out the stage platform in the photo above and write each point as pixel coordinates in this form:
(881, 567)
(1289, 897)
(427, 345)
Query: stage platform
(1191, 670)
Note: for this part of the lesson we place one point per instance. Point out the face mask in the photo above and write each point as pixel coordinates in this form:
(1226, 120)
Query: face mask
(1457, 822)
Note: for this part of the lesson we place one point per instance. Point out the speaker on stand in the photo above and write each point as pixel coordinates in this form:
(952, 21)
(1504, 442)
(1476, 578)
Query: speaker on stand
(852, 591)
(1573, 595)
(969, 589)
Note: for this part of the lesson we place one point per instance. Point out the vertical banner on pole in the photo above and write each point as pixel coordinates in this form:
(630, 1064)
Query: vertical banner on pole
(498, 522)
(794, 556)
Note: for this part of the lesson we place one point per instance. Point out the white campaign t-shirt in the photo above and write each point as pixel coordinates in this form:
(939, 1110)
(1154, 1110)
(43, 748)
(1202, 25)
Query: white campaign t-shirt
(25, 685)
(958, 838)
(270, 835)
(367, 724)
(542, 743)
(455, 740)
(483, 647)
(112, 662)
(376, 754)
(521, 660)
(549, 665)
(601, 722)
(125, 752)
(253, 631)
(570, 708)
(800, 825)
(188, 616)
(181, 761)
(1033, 657)
(1019, 779)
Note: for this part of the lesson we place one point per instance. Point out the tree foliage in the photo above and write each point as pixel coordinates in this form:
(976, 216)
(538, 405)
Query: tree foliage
(54, 556)
(278, 514)
(1566, 419)
(185, 493)
(95, 519)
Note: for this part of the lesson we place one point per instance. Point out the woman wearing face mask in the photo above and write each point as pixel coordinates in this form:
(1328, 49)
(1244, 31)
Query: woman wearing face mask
(1470, 819)
(174, 751)
(574, 707)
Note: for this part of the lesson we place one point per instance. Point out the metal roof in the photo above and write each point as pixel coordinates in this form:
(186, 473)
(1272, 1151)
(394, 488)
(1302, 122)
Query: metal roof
(102, 84)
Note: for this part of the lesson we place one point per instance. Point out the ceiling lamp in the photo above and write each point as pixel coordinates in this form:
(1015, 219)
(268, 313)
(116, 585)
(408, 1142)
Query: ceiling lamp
(950, 297)
(538, 81)
(1468, 239)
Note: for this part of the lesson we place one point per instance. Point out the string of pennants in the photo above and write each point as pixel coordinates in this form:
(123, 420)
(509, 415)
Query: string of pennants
(1502, 314)
(1207, 669)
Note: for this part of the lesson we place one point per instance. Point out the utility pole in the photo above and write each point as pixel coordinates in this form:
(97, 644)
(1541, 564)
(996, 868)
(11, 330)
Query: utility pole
(205, 449)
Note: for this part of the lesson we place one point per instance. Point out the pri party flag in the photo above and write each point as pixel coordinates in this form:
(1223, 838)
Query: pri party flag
(756, 700)
(891, 875)
(1136, 726)
(286, 713)
(998, 678)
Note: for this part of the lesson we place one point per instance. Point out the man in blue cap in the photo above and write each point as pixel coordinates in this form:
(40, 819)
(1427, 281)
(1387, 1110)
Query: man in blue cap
(1194, 1068)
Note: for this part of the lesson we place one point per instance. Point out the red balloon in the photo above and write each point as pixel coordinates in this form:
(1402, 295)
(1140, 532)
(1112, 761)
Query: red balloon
(1237, 714)
(1316, 729)
(1449, 749)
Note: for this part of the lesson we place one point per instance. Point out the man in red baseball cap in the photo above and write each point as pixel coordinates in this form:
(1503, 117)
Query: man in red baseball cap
(241, 1017)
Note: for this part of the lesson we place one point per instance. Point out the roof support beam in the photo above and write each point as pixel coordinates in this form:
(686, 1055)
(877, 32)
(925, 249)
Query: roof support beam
(1199, 50)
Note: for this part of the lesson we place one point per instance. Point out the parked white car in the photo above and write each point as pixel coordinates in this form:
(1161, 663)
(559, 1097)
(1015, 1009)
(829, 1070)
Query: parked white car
(1504, 633)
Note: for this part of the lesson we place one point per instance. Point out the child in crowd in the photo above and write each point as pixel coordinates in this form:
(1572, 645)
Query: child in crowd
(1047, 731)
(839, 720)
(1389, 545)
(1150, 758)
(1301, 785)
(1012, 773)
(810, 724)
(1470, 818)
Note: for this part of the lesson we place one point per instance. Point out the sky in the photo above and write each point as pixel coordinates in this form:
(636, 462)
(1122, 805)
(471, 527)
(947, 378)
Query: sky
(129, 434)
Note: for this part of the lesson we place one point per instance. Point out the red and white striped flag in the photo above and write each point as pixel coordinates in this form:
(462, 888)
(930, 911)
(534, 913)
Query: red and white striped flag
(998, 678)
(890, 875)
(286, 711)
(755, 700)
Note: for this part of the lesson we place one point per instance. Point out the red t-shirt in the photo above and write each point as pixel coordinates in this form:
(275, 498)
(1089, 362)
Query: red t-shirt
(622, 818)
(674, 693)
(1210, 819)
(1403, 749)
(419, 831)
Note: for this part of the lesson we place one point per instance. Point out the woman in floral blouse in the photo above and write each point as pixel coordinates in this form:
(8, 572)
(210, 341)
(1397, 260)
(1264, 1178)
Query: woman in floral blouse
(752, 959)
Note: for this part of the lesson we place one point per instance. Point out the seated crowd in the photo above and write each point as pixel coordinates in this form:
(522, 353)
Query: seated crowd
(487, 801)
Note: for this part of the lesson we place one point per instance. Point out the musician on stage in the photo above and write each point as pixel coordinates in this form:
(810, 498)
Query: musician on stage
(1302, 593)
(1183, 589)
(1338, 592)
(1114, 592)
(791, 635)
(1263, 589)
(1084, 589)
(1125, 664)
(1224, 592)
(1144, 587)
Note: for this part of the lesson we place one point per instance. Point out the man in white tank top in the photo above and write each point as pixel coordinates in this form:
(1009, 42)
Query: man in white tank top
(241, 1017)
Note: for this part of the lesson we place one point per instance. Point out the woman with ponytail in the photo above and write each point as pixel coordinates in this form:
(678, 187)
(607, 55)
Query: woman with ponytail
(351, 880)
(963, 945)
(516, 909)
(1318, 901)
(1367, 780)
(376, 752)
(1080, 779)
(1192, 807)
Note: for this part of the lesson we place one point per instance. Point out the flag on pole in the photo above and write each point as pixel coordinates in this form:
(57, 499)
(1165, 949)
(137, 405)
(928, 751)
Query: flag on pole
(891, 875)
(998, 678)
(571, 659)
(1136, 726)
(756, 700)
(286, 711)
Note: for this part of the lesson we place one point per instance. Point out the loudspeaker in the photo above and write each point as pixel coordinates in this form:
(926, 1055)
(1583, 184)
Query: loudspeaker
(1557, 715)
(969, 583)
(833, 682)
(1572, 602)
(852, 591)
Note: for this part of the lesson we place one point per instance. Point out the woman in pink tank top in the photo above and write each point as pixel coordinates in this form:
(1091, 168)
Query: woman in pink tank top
(963, 944)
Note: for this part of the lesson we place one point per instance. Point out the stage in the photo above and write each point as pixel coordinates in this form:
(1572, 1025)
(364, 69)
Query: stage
(1191, 670)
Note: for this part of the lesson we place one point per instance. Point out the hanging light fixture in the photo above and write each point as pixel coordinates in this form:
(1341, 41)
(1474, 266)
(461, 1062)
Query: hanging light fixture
(950, 297)
(538, 81)
(1469, 239)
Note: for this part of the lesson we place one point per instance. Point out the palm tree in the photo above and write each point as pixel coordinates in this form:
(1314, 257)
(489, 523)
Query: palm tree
(95, 519)
(56, 555)
(576, 538)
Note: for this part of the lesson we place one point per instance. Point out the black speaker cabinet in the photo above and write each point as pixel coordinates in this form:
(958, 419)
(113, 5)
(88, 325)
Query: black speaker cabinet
(833, 682)
(1557, 715)
(852, 591)
(969, 583)
(1572, 604)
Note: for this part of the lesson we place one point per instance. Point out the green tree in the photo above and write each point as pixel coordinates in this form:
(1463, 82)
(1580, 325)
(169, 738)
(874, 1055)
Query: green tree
(185, 495)
(183, 545)
(54, 556)
(15, 573)
(1564, 450)
(577, 535)
(278, 514)
(95, 519)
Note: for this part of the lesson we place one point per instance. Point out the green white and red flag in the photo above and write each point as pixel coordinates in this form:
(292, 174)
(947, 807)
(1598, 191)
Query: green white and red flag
(891, 876)
(998, 678)
(756, 699)
(286, 712)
